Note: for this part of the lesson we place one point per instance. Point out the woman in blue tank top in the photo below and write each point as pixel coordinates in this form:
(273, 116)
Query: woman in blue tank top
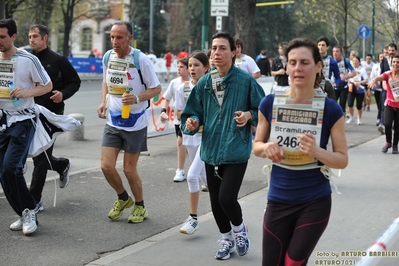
(293, 132)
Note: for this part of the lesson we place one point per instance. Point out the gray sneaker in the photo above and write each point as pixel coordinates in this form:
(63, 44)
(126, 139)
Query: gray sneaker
(64, 176)
(39, 207)
(29, 222)
(226, 246)
(242, 241)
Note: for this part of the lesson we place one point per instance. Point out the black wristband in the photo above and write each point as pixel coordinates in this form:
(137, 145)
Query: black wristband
(163, 110)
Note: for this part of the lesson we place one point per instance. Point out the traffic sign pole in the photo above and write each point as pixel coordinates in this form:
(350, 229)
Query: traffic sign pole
(364, 33)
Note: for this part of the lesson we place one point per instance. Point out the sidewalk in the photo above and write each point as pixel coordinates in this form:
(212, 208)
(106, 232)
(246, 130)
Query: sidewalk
(364, 210)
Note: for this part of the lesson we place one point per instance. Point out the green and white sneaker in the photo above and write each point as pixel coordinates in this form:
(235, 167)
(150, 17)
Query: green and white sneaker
(118, 208)
(138, 215)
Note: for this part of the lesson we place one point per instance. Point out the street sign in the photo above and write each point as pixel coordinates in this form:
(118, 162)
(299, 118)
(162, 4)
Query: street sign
(219, 23)
(220, 3)
(363, 31)
(219, 8)
(217, 11)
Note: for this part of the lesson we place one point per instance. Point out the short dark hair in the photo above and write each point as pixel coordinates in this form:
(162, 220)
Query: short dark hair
(10, 24)
(324, 39)
(184, 61)
(42, 29)
(393, 45)
(339, 47)
(369, 55)
(307, 43)
(128, 25)
(226, 35)
(240, 43)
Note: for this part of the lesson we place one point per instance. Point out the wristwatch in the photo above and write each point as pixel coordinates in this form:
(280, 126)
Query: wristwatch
(137, 99)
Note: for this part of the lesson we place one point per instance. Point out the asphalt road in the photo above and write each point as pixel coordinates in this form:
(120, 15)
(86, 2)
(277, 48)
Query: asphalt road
(78, 231)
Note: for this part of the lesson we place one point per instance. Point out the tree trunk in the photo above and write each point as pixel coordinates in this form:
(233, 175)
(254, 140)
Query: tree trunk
(67, 10)
(244, 19)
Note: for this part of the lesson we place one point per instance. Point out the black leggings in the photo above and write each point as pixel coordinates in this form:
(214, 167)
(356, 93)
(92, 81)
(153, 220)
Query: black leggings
(223, 192)
(359, 99)
(377, 97)
(341, 94)
(291, 232)
(391, 115)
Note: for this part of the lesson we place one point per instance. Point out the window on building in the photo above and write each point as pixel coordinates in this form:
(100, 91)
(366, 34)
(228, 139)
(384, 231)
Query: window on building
(87, 39)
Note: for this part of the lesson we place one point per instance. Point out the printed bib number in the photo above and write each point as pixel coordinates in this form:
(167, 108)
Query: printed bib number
(7, 73)
(288, 142)
(290, 119)
(395, 89)
(116, 80)
(117, 74)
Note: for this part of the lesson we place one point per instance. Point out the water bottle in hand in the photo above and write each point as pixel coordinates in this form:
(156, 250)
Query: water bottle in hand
(15, 100)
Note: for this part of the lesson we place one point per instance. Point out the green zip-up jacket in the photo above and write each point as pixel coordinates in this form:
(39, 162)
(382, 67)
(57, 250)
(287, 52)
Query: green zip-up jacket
(222, 141)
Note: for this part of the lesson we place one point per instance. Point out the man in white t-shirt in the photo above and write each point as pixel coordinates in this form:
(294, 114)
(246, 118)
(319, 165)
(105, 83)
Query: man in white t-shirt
(368, 66)
(123, 86)
(22, 78)
(246, 62)
(183, 75)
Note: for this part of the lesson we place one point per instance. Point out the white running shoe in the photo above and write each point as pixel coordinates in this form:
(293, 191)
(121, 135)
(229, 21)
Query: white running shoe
(350, 120)
(190, 226)
(359, 122)
(29, 221)
(17, 225)
(180, 175)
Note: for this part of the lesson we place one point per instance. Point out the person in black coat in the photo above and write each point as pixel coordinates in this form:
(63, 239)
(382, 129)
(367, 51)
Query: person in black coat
(66, 82)
(264, 64)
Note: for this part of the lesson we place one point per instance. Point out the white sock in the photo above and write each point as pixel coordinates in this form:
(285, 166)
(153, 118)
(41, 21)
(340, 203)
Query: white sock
(238, 228)
(228, 235)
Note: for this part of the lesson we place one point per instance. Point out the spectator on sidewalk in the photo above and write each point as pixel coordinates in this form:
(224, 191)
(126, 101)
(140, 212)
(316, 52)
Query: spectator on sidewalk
(299, 198)
(66, 83)
(129, 135)
(28, 79)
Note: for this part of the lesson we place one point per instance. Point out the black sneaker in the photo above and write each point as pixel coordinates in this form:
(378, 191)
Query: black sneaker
(64, 176)
(386, 147)
(226, 246)
(242, 241)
